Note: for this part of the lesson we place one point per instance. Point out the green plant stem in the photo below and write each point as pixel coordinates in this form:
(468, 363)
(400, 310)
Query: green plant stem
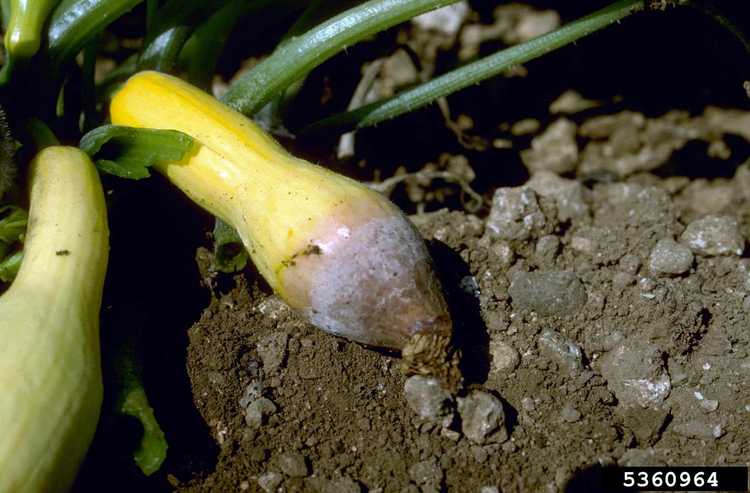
(170, 29)
(317, 11)
(75, 22)
(41, 134)
(478, 71)
(300, 55)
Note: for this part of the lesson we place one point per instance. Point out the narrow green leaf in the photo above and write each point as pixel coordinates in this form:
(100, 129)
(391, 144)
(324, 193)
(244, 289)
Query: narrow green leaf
(75, 22)
(128, 152)
(299, 55)
(131, 399)
(229, 252)
(9, 266)
(12, 223)
(478, 71)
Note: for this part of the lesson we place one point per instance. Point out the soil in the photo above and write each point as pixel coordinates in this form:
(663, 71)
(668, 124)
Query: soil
(342, 405)
(622, 174)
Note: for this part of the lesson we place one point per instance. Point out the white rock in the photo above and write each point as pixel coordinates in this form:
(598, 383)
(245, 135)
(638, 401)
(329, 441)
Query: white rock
(635, 372)
(426, 397)
(714, 235)
(482, 417)
(669, 257)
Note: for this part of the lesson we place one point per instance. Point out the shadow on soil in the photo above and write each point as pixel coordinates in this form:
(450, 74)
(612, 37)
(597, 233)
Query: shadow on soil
(153, 289)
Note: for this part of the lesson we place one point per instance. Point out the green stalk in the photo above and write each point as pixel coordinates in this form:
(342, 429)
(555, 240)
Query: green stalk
(478, 71)
(75, 22)
(300, 55)
(316, 12)
(170, 29)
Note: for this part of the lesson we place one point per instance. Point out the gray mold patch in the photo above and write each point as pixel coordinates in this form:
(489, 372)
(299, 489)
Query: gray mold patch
(377, 287)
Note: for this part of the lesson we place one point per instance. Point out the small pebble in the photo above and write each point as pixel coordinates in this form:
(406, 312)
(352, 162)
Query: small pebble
(427, 472)
(698, 429)
(635, 372)
(504, 357)
(426, 397)
(567, 194)
(344, 484)
(555, 150)
(489, 489)
(630, 264)
(670, 258)
(293, 464)
(622, 280)
(501, 252)
(564, 352)
(547, 246)
(549, 293)
(515, 214)
(272, 350)
(258, 411)
(714, 235)
(569, 414)
(270, 481)
(482, 417)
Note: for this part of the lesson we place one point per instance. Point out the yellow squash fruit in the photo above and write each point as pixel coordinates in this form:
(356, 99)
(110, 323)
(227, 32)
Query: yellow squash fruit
(50, 372)
(332, 248)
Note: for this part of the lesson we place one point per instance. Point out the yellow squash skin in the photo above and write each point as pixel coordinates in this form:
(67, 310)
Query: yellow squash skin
(340, 253)
(239, 173)
(50, 372)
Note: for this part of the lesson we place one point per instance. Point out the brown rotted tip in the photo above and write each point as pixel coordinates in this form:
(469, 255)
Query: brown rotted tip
(433, 354)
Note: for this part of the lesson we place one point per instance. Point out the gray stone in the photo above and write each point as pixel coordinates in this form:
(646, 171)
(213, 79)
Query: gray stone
(549, 293)
(569, 414)
(714, 235)
(503, 357)
(489, 489)
(547, 247)
(637, 457)
(257, 412)
(621, 280)
(554, 150)
(503, 253)
(567, 194)
(630, 264)
(253, 392)
(270, 481)
(636, 373)
(482, 418)
(344, 484)
(272, 350)
(427, 473)
(427, 397)
(515, 214)
(698, 429)
(293, 464)
(669, 257)
(564, 352)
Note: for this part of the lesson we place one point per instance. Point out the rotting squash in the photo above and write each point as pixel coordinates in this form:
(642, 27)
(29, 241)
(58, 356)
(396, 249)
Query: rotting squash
(50, 371)
(332, 248)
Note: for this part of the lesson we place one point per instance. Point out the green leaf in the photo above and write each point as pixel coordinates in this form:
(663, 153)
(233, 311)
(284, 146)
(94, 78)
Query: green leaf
(153, 447)
(12, 224)
(75, 22)
(9, 266)
(476, 72)
(229, 252)
(128, 152)
(132, 400)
